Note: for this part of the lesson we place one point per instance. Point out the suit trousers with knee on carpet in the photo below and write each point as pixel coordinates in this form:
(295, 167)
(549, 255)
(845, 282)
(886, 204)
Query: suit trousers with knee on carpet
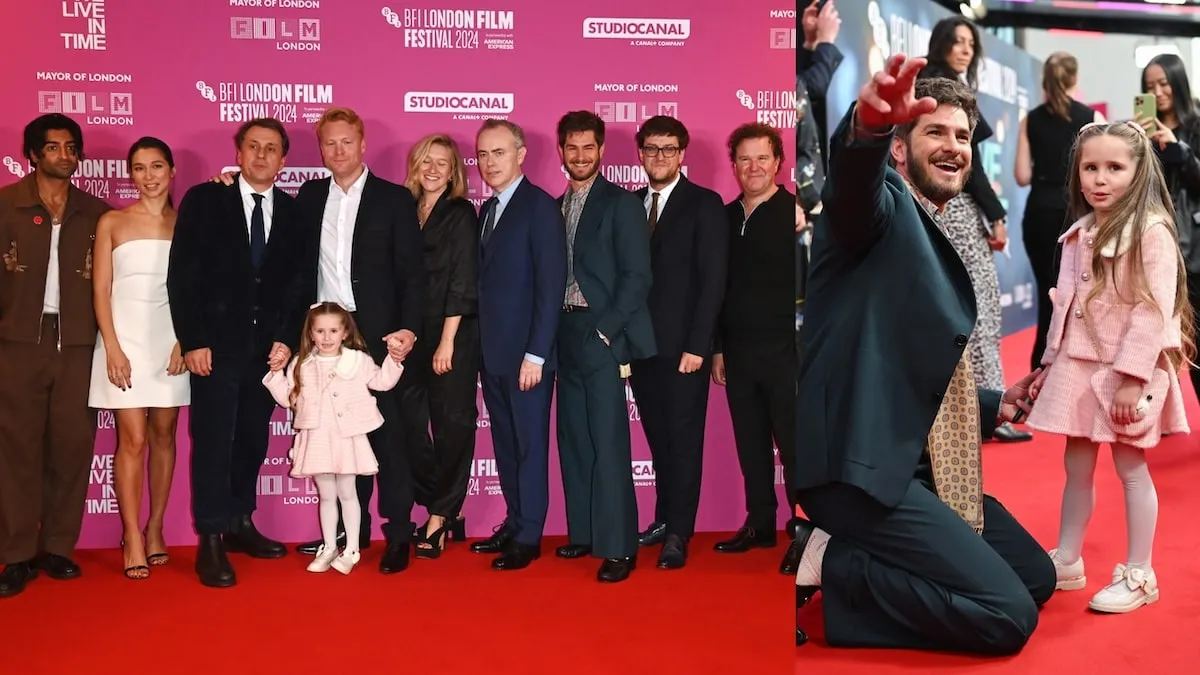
(47, 439)
(918, 577)
(593, 442)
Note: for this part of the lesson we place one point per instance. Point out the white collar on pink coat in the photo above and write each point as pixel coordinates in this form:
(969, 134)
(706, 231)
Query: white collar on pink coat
(347, 364)
(1109, 250)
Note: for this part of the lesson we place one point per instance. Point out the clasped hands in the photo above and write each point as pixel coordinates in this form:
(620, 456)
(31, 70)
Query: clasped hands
(1022, 395)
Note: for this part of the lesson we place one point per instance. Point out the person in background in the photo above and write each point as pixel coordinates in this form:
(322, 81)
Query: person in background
(1176, 140)
(1044, 143)
(443, 370)
(47, 325)
(137, 369)
(975, 218)
(816, 62)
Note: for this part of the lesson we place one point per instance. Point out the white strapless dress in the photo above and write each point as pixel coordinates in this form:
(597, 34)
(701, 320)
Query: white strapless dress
(142, 320)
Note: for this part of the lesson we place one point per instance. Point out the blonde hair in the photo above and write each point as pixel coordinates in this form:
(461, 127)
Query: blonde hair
(1060, 73)
(457, 186)
(340, 115)
(1147, 199)
(353, 339)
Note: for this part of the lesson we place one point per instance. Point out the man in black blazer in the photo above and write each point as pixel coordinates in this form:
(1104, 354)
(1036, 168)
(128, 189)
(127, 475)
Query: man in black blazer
(902, 560)
(605, 325)
(689, 249)
(522, 273)
(238, 295)
(365, 253)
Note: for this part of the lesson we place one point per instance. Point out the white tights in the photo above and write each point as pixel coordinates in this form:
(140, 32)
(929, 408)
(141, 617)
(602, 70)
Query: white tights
(332, 488)
(1079, 497)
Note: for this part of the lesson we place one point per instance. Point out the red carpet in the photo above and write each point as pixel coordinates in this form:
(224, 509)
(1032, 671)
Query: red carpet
(722, 615)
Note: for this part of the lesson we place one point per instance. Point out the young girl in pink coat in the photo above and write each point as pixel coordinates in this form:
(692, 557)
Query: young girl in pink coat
(327, 386)
(1121, 330)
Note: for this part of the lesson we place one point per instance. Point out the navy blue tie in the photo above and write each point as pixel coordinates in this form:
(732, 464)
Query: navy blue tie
(258, 232)
(489, 219)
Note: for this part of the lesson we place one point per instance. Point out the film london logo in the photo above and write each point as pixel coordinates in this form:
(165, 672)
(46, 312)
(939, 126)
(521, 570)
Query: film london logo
(290, 103)
(775, 108)
(99, 108)
(639, 32)
(90, 15)
(289, 35)
(783, 37)
(461, 105)
(490, 29)
(634, 111)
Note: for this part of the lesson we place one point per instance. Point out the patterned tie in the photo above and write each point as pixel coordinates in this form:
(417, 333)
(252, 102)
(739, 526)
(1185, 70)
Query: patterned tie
(955, 446)
(489, 220)
(653, 211)
(258, 231)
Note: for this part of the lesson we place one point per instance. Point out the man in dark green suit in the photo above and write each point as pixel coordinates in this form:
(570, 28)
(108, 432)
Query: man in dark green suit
(605, 325)
(902, 560)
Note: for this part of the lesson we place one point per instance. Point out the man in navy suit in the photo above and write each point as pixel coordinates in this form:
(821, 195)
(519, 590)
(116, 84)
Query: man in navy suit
(901, 560)
(522, 274)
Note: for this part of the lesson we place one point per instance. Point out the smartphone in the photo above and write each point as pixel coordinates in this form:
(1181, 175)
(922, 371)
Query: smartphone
(1144, 105)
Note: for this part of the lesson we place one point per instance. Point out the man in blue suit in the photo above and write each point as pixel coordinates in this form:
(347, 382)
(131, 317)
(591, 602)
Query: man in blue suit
(904, 545)
(522, 273)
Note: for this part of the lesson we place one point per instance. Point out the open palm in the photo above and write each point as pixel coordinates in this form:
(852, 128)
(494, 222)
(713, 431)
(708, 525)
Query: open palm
(889, 98)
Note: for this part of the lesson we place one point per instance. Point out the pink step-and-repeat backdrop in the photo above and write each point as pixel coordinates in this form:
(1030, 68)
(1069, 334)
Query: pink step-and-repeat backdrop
(190, 73)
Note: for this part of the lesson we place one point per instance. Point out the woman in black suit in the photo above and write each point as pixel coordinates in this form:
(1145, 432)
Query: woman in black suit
(438, 390)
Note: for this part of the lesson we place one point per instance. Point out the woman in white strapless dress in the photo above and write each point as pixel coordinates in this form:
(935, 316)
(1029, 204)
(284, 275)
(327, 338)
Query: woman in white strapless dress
(137, 369)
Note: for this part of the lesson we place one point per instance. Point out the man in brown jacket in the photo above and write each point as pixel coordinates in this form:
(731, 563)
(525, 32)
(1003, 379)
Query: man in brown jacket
(47, 334)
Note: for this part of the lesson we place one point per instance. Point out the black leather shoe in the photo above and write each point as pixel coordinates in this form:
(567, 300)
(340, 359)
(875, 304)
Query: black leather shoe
(56, 566)
(791, 560)
(613, 570)
(212, 565)
(310, 547)
(15, 577)
(395, 557)
(494, 543)
(746, 539)
(516, 556)
(656, 533)
(572, 551)
(1005, 433)
(243, 537)
(803, 531)
(674, 553)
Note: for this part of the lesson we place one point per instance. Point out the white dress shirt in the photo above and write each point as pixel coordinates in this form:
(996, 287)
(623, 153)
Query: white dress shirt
(268, 206)
(51, 301)
(663, 195)
(334, 280)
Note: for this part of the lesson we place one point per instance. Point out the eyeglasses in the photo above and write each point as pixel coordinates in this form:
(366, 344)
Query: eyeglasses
(654, 150)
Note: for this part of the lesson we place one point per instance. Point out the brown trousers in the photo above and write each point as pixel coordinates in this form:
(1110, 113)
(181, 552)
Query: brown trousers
(47, 437)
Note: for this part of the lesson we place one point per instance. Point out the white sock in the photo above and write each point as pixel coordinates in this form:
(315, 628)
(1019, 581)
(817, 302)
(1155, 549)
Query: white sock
(1079, 498)
(811, 558)
(347, 491)
(1141, 503)
(327, 492)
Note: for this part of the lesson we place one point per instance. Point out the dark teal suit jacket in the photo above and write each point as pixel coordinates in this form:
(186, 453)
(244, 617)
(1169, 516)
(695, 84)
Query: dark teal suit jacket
(888, 311)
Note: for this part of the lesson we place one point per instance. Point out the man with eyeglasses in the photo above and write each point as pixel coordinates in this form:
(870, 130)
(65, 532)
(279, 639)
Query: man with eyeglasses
(689, 244)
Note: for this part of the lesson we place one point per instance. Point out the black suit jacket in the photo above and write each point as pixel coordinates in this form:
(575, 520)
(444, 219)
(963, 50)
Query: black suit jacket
(886, 321)
(387, 273)
(611, 261)
(689, 254)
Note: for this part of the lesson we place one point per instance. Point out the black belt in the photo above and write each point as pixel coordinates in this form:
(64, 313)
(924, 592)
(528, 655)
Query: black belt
(570, 309)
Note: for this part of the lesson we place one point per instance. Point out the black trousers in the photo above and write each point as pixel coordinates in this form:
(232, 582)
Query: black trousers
(229, 423)
(446, 405)
(918, 577)
(1193, 282)
(760, 383)
(1041, 229)
(674, 409)
(593, 442)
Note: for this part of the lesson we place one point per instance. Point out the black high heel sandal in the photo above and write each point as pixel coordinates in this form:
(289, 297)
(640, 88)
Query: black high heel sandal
(136, 572)
(435, 542)
(156, 559)
(458, 529)
(801, 531)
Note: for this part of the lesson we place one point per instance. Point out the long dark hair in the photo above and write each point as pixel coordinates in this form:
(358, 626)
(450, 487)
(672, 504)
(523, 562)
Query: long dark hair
(152, 143)
(942, 39)
(1181, 89)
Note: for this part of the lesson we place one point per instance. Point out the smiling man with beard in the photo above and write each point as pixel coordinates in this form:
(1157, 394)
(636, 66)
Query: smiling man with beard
(605, 325)
(904, 545)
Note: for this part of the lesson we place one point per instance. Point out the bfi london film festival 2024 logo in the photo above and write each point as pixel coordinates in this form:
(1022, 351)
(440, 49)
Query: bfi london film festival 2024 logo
(281, 24)
(106, 178)
(639, 32)
(462, 29)
(485, 478)
(783, 36)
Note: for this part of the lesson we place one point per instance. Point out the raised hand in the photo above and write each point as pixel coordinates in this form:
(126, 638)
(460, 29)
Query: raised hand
(889, 98)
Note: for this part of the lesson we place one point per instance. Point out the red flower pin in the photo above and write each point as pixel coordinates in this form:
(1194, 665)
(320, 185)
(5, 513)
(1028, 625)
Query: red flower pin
(37, 220)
